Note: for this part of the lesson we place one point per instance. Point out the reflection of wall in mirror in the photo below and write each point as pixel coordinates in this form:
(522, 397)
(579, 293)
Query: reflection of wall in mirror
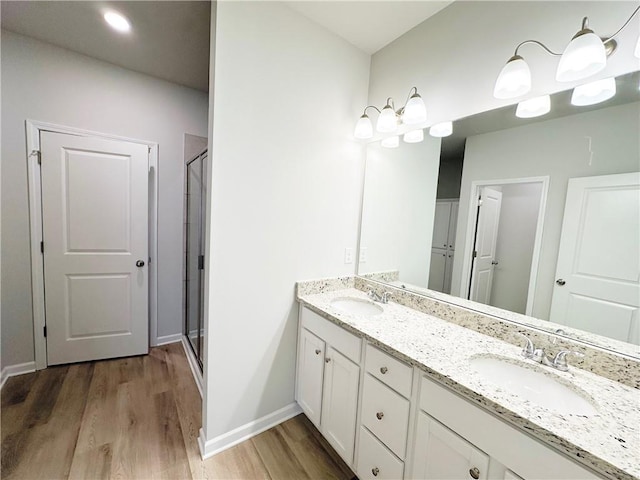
(399, 197)
(557, 148)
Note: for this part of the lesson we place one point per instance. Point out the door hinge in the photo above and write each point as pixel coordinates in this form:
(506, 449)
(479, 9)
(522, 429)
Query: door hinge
(200, 262)
(37, 154)
(41, 247)
(45, 331)
(475, 254)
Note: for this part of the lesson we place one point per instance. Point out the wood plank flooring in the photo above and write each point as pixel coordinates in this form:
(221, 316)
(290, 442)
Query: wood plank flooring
(138, 418)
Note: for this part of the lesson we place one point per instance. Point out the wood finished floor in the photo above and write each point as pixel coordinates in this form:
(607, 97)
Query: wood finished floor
(139, 418)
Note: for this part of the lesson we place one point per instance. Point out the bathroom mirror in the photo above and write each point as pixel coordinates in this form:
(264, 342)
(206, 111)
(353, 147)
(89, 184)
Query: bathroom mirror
(534, 221)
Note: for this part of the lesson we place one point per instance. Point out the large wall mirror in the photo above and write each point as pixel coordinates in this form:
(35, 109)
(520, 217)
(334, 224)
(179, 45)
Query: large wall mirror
(518, 218)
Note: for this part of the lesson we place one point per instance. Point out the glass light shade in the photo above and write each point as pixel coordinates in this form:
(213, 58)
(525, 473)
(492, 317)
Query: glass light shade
(637, 50)
(364, 128)
(534, 107)
(391, 142)
(117, 22)
(387, 120)
(414, 136)
(594, 92)
(443, 129)
(514, 79)
(414, 111)
(584, 56)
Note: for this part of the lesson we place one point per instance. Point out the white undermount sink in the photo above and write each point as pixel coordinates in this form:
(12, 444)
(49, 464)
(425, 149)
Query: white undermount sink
(533, 385)
(359, 306)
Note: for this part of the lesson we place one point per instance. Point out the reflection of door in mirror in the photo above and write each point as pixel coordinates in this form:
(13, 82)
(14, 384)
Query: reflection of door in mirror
(484, 251)
(598, 270)
(443, 245)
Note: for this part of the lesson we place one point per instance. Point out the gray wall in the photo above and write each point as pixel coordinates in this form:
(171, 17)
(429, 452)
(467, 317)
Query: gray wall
(46, 83)
(557, 148)
(449, 178)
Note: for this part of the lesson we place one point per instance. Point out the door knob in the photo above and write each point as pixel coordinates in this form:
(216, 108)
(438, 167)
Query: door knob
(494, 262)
(474, 473)
(318, 351)
(560, 282)
(140, 263)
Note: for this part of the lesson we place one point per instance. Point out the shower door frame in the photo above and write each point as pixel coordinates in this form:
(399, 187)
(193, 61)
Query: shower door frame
(198, 360)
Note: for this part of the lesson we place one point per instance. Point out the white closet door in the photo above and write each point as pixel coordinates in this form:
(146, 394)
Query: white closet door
(598, 271)
(441, 225)
(94, 204)
(485, 250)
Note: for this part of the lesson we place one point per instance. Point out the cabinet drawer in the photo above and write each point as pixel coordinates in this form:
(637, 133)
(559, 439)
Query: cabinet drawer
(346, 343)
(398, 375)
(375, 461)
(386, 414)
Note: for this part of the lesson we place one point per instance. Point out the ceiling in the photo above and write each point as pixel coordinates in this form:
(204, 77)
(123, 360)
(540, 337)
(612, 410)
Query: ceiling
(369, 25)
(168, 39)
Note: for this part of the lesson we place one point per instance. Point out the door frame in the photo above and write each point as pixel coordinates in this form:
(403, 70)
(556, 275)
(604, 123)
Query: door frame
(472, 218)
(33, 129)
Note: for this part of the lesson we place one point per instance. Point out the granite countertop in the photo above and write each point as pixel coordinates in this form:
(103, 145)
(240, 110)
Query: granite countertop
(608, 442)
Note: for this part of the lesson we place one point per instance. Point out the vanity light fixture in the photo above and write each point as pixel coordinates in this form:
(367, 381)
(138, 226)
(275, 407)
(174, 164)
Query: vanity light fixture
(593, 92)
(534, 107)
(391, 142)
(585, 55)
(413, 112)
(442, 129)
(414, 136)
(117, 21)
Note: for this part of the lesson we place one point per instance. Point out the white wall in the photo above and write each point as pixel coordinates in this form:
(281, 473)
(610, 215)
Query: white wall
(400, 197)
(514, 245)
(455, 56)
(285, 201)
(46, 83)
(557, 148)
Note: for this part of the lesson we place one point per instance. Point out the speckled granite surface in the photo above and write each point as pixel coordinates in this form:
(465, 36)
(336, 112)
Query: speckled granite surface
(608, 442)
(601, 362)
(390, 276)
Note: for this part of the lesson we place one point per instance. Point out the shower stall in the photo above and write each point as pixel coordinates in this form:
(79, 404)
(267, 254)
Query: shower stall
(194, 237)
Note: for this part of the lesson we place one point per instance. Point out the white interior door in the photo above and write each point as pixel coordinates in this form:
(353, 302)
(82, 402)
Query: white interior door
(598, 271)
(95, 229)
(485, 246)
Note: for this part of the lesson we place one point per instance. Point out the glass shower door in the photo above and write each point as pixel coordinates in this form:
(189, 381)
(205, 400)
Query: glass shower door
(194, 275)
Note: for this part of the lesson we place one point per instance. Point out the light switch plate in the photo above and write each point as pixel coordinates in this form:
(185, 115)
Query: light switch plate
(348, 255)
(363, 255)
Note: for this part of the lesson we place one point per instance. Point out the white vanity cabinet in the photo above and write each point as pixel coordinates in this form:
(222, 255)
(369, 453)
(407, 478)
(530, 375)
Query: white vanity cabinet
(328, 378)
(456, 439)
(384, 416)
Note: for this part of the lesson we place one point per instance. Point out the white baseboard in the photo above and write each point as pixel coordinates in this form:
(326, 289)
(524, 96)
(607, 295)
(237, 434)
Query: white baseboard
(13, 370)
(167, 339)
(208, 448)
(193, 364)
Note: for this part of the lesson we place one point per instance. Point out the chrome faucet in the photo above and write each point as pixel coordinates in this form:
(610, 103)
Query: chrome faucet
(538, 355)
(384, 298)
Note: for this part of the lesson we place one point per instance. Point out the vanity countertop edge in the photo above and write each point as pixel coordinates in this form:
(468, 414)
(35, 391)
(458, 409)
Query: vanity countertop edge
(608, 443)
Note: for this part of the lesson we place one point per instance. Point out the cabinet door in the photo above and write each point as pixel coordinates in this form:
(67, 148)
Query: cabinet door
(441, 454)
(448, 270)
(339, 403)
(453, 225)
(441, 225)
(310, 370)
(437, 269)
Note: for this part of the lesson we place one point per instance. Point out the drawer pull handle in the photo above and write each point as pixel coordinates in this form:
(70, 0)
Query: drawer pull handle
(379, 415)
(383, 370)
(375, 471)
(318, 351)
(327, 360)
(475, 473)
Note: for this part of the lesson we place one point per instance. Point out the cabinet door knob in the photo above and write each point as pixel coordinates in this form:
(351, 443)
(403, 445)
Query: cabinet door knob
(318, 351)
(383, 370)
(327, 360)
(379, 415)
(475, 473)
(375, 471)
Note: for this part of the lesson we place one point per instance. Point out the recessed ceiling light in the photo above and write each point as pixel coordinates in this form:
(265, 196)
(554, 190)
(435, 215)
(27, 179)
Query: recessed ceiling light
(117, 21)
